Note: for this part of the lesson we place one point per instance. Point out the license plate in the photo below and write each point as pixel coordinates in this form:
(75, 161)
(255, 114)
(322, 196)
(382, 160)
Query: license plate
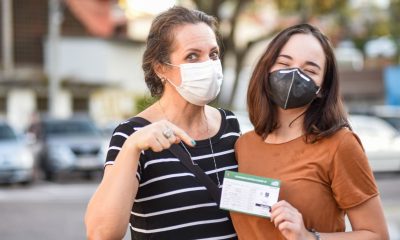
(88, 162)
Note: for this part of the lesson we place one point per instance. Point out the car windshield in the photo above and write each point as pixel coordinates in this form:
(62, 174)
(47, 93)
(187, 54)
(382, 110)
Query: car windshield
(58, 128)
(6, 133)
(371, 126)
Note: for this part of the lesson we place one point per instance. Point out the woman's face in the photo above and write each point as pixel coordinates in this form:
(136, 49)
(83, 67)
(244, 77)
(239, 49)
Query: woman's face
(305, 52)
(193, 43)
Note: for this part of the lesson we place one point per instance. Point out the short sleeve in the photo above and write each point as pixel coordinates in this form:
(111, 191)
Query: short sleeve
(352, 180)
(232, 121)
(119, 136)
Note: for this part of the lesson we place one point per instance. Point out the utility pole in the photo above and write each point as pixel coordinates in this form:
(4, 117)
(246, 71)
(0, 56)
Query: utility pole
(54, 19)
(7, 32)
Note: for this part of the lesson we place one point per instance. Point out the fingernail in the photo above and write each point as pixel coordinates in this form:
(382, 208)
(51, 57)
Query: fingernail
(193, 142)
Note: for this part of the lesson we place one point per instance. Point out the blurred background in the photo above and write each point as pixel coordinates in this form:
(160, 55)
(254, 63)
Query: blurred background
(70, 71)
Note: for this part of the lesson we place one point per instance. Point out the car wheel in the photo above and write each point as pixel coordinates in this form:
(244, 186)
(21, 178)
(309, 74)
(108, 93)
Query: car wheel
(50, 176)
(27, 182)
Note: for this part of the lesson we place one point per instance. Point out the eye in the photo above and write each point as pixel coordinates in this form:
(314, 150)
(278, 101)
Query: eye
(282, 64)
(310, 71)
(191, 57)
(214, 55)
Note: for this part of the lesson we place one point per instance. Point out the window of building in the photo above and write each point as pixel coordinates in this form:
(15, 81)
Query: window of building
(80, 104)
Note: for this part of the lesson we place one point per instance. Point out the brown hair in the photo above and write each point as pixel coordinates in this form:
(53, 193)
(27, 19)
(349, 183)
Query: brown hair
(161, 39)
(324, 116)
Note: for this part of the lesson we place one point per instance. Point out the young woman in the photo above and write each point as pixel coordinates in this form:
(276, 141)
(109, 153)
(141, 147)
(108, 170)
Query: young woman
(144, 184)
(302, 137)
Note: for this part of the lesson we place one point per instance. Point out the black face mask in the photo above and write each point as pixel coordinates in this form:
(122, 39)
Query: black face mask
(291, 88)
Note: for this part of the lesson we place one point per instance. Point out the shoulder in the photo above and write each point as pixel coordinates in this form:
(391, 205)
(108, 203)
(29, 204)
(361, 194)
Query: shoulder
(343, 136)
(248, 139)
(128, 126)
(345, 144)
(230, 119)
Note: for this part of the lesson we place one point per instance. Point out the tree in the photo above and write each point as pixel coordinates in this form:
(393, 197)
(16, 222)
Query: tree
(394, 11)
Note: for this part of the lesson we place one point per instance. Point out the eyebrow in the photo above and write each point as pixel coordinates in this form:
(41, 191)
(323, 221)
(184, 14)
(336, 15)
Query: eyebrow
(199, 50)
(307, 62)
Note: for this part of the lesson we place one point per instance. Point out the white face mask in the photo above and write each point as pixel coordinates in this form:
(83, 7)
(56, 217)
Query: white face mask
(201, 82)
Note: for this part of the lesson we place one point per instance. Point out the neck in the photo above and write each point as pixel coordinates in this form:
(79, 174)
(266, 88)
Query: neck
(290, 124)
(183, 114)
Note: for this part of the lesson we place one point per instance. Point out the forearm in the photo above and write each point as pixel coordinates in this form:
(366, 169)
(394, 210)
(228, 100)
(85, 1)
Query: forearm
(355, 235)
(109, 209)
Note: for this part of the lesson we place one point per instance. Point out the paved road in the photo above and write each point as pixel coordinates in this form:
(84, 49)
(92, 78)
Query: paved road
(55, 210)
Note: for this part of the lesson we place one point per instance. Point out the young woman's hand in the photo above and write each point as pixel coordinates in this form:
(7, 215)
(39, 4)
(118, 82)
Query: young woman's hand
(289, 221)
(158, 136)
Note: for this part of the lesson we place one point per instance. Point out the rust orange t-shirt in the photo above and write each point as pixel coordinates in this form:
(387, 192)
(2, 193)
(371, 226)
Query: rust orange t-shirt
(320, 179)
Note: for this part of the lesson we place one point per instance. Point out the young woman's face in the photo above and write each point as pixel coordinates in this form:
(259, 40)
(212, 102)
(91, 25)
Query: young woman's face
(303, 51)
(193, 43)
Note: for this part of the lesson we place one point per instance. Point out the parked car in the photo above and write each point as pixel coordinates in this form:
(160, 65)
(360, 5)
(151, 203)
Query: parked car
(64, 145)
(390, 114)
(381, 142)
(16, 159)
(348, 56)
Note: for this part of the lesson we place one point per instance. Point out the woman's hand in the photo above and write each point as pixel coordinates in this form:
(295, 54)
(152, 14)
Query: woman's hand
(289, 221)
(158, 136)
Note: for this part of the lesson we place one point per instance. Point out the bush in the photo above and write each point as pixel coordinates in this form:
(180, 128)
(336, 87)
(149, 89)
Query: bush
(144, 102)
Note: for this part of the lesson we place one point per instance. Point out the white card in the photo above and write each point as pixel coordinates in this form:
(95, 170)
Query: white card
(249, 194)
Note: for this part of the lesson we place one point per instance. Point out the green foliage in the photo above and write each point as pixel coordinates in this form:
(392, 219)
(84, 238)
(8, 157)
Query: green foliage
(310, 8)
(360, 42)
(144, 102)
(379, 28)
(394, 12)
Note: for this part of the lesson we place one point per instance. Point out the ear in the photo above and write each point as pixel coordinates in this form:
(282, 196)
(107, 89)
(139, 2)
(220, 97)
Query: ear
(159, 69)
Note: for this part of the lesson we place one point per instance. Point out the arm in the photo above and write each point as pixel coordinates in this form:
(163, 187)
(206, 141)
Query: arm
(367, 221)
(108, 211)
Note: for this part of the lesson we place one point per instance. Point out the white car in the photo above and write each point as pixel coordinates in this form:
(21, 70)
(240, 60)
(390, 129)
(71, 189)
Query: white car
(381, 142)
(348, 56)
(16, 159)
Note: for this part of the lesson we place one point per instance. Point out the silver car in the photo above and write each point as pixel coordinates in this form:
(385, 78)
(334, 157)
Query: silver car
(64, 145)
(16, 159)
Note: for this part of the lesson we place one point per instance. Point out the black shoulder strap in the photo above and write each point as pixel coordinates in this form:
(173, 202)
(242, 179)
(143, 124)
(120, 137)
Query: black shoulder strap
(183, 156)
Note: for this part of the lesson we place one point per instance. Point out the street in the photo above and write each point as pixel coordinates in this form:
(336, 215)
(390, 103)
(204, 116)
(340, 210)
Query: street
(56, 210)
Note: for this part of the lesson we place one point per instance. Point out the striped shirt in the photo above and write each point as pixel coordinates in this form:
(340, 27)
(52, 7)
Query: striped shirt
(170, 202)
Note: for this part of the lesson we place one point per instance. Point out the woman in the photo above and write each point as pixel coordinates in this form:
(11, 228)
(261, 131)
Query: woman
(303, 138)
(144, 184)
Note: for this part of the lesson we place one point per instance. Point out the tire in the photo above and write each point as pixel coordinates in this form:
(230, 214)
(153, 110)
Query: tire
(50, 176)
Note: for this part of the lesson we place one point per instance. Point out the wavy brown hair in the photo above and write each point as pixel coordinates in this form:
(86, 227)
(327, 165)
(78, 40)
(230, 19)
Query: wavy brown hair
(160, 41)
(326, 113)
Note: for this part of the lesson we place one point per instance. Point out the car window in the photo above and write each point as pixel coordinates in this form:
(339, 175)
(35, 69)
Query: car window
(58, 128)
(394, 121)
(6, 133)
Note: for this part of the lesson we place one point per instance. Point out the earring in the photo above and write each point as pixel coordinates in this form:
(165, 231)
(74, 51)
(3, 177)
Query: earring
(162, 79)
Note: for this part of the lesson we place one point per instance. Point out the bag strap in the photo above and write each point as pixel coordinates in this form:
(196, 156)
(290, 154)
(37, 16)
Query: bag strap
(184, 158)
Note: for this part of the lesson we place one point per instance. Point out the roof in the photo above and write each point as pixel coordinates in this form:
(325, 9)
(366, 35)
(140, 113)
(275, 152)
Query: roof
(96, 15)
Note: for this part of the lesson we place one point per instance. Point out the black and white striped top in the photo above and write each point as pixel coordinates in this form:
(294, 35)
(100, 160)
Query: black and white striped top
(170, 202)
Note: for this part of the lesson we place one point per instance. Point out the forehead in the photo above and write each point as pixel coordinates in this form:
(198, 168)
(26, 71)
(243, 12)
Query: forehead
(198, 36)
(304, 47)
